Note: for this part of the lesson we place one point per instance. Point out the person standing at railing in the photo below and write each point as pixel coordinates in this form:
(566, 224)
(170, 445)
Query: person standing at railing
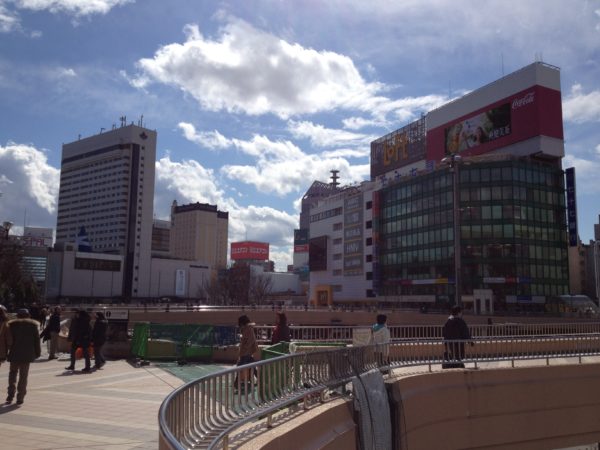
(380, 336)
(248, 346)
(281, 332)
(455, 333)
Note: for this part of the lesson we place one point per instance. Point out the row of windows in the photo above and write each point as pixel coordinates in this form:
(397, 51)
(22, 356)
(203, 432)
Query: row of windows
(418, 222)
(510, 231)
(511, 193)
(399, 207)
(498, 212)
(535, 176)
(421, 238)
(513, 250)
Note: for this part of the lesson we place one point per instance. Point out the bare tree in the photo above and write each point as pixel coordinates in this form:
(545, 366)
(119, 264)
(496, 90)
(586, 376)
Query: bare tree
(260, 287)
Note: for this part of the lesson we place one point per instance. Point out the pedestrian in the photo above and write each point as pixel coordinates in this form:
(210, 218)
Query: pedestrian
(380, 336)
(51, 332)
(281, 332)
(99, 339)
(24, 349)
(455, 333)
(248, 347)
(43, 316)
(80, 334)
(5, 338)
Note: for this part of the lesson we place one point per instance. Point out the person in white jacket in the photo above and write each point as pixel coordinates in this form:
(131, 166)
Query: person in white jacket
(380, 336)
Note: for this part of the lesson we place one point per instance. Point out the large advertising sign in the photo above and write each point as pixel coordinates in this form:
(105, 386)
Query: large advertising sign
(249, 250)
(399, 148)
(301, 241)
(478, 129)
(571, 206)
(532, 112)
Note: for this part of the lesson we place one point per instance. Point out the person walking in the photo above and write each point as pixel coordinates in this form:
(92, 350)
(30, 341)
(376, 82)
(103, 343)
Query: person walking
(281, 332)
(24, 349)
(380, 336)
(80, 334)
(5, 338)
(99, 339)
(455, 334)
(51, 332)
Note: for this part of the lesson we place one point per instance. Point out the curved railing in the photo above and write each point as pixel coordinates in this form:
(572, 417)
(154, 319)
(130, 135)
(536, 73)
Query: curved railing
(341, 333)
(204, 412)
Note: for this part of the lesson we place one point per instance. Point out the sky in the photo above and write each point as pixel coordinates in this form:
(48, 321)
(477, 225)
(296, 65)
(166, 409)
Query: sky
(254, 100)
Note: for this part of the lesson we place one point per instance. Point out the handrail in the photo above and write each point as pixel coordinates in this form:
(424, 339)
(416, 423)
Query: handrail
(204, 412)
(344, 333)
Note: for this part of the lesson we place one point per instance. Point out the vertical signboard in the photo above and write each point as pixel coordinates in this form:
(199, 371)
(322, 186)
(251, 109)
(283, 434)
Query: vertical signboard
(353, 234)
(376, 228)
(571, 206)
(180, 282)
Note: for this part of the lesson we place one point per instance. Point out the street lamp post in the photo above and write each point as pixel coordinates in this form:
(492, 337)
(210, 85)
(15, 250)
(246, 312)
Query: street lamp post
(453, 161)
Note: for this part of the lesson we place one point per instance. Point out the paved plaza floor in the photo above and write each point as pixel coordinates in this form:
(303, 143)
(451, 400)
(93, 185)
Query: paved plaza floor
(114, 408)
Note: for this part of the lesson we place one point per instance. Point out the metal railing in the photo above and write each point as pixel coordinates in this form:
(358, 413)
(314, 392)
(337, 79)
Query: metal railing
(328, 333)
(205, 412)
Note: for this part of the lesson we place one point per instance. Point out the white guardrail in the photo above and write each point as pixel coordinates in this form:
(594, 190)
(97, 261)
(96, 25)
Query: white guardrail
(205, 413)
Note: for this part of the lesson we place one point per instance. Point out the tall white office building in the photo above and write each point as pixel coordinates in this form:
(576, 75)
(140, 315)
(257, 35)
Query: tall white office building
(107, 188)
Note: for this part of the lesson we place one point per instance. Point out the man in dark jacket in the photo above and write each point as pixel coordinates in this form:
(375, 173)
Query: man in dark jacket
(24, 349)
(455, 333)
(51, 331)
(99, 339)
(80, 335)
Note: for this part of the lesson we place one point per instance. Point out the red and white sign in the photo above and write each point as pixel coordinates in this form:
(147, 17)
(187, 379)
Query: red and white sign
(532, 112)
(249, 250)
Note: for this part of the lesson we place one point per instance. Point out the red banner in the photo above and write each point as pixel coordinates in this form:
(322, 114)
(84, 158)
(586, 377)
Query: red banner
(249, 250)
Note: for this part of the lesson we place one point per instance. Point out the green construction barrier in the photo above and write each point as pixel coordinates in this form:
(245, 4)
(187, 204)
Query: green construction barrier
(139, 340)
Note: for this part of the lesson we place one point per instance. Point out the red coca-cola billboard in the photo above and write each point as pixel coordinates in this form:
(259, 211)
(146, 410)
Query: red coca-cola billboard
(249, 250)
(535, 111)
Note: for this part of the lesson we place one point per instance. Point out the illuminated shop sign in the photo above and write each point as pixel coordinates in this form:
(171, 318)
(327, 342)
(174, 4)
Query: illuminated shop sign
(249, 250)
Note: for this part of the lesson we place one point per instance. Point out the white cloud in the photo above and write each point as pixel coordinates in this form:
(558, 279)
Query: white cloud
(251, 71)
(77, 8)
(280, 166)
(579, 107)
(29, 185)
(9, 20)
(326, 137)
(208, 139)
(586, 171)
(189, 182)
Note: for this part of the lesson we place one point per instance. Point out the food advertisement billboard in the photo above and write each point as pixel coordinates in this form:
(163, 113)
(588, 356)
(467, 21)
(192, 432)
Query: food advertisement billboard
(532, 112)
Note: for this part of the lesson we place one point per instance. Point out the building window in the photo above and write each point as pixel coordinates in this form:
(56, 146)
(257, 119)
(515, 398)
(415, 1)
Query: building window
(337, 256)
(337, 241)
(369, 224)
(369, 258)
(337, 272)
(369, 276)
(337, 226)
(370, 293)
(369, 204)
(369, 241)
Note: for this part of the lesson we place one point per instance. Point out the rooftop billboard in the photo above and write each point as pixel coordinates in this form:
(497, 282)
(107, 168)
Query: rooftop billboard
(531, 112)
(249, 250)
(399, 148)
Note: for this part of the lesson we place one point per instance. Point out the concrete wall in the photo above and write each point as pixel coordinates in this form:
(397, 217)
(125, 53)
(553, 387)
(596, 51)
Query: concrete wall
(512, 409)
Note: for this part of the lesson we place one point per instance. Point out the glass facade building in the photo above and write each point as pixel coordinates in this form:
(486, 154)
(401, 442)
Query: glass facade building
(513, 237)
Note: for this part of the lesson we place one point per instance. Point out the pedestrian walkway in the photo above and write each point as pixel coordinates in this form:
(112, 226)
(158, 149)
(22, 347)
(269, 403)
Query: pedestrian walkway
(115, 408)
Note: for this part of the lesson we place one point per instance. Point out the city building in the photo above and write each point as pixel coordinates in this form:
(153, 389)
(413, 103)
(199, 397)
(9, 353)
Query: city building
(107, 189)
(161, 237)
(465, 205)
(199, 232)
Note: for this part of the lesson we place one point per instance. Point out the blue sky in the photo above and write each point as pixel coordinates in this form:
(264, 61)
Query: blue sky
(253, 100)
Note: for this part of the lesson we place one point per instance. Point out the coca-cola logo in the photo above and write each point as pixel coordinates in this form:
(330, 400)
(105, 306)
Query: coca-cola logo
(525, 100)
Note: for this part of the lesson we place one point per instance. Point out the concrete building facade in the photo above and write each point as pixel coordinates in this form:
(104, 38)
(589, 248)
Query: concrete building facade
(107, 189)
(472, 195)
(199, 232)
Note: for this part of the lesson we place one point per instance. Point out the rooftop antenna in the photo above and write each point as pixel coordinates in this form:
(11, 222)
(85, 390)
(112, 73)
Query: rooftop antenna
(102, 129)
(114, 125)
(123, 120)
(334, 178)
(141, 122)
